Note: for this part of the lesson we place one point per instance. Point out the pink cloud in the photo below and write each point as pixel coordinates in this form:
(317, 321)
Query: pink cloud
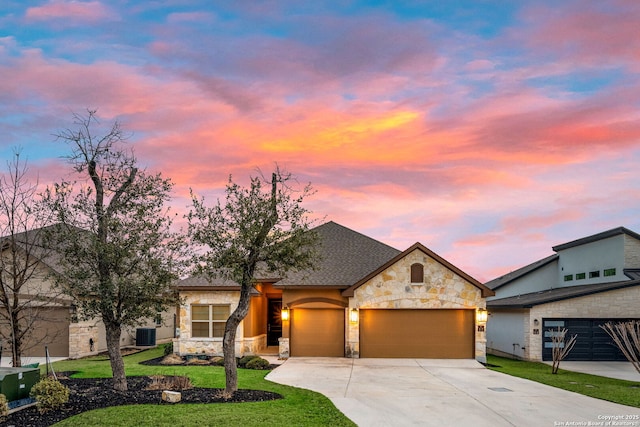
(587, 32)
(70, 11)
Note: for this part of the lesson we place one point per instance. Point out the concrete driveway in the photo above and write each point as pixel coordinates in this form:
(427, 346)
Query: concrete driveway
(428, 392)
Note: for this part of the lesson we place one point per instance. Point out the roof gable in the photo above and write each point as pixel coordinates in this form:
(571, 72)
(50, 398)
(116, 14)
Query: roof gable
(418, 246)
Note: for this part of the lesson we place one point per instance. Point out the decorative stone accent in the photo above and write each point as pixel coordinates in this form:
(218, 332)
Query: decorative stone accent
(283, 348)
(171, 396)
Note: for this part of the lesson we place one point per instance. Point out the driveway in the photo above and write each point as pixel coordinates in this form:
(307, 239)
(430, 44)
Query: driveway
(428, 392)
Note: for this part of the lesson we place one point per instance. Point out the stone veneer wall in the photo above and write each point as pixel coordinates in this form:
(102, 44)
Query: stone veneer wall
(442, 288)
(185, 344)
(620, 303)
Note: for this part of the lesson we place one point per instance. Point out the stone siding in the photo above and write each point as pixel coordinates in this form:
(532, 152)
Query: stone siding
(185, 344)
(621, 303)
(392, 288)
(631, 252)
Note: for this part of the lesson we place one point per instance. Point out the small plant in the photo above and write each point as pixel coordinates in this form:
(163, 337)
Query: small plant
(217, 361)
(257, 363)
(162, 382)
(626, 336)
(561, 347)
(172, 359)
(4, 406)
(242, 362)
(168, 349)
(50, 394)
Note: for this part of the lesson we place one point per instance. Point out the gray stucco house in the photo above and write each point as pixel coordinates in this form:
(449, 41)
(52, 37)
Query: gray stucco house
(584, 284)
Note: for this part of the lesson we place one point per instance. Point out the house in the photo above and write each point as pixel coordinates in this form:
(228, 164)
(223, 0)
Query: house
(53, 314)
(584, 284)
(364, 299)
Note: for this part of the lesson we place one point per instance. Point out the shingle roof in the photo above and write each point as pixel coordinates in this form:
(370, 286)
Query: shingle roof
(509, 277)
(596, 237)
(557, 294)
(346, 256)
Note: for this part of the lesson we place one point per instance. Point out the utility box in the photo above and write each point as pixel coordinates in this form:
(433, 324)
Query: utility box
(146, 337)
(16, 383)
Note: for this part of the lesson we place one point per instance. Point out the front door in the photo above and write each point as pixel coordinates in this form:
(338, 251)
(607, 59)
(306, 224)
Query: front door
(274, 321)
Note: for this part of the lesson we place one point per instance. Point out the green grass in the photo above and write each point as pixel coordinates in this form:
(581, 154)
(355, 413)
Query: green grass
(299, 407)
(613, 390)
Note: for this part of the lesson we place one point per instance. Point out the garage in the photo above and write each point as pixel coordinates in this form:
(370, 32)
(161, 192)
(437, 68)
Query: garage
(317, 332)
(593, 343)
(50, 330)
(416, 333)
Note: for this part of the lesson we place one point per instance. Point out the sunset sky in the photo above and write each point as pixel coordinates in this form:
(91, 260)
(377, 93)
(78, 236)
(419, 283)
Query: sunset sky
(488, 131)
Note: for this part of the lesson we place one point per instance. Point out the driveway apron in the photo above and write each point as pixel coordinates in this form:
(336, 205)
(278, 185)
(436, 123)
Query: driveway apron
(431, 392)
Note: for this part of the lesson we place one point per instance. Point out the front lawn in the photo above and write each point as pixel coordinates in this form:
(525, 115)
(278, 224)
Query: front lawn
(299, 407)
(614, 390)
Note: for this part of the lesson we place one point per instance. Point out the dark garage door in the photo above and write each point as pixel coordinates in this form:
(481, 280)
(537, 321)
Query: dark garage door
(427, 333)
(593, 343)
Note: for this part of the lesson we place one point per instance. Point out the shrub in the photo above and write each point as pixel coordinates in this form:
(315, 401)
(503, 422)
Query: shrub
(168, 349)
(242, 363)
(49, 394)
(258, 363)
(172, 359)
(4, 406)
(162, 382)
(217, 361)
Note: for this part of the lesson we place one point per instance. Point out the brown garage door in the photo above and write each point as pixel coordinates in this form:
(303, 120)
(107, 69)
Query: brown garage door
(52, 331)
(317, 332)
(429, 334)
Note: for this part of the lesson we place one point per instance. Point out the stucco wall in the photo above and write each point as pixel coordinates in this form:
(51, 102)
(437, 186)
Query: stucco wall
(543, 278)
(621, 303)
(392, 288)
(506, 333)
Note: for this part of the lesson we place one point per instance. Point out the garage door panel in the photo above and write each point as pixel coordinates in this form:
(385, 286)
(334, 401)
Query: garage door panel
(434, 334)
(593, 343)
(317, 333)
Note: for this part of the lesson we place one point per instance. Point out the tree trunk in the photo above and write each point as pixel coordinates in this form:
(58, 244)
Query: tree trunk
(229, 342)
(115, 357)
(16, 342)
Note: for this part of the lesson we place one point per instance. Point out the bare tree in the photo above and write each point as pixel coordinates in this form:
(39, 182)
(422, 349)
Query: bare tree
(626, 336)
(561, 347)
(252, 228)
(23, 290)
(117, 249)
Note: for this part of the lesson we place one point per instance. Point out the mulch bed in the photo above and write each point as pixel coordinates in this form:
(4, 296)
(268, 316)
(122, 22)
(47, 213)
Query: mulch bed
(95, 393)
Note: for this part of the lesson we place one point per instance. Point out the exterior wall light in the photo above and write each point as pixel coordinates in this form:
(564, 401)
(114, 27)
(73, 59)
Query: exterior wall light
(353, 315)
(481, 316)
(284, 313)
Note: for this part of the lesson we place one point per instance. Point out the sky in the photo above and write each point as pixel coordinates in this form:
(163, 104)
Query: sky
(487, 130)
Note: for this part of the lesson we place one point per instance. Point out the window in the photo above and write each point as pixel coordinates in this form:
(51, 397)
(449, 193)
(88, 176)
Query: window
(207, 321)
(610, 272)
(158, 319)
(593, 274)
(417, 273)
(568, 277)
(580, 276)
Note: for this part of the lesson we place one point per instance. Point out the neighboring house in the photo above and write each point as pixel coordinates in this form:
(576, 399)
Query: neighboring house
(586, 283)
(364, 299)
(56, 325)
